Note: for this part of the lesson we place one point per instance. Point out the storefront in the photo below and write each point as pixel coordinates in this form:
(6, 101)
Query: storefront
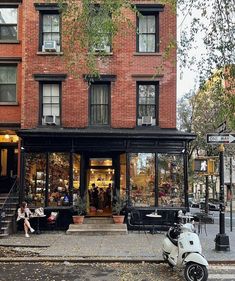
(148, 166)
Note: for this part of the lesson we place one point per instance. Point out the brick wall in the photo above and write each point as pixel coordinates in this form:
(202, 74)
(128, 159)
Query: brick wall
(124, 63)
(12, 113)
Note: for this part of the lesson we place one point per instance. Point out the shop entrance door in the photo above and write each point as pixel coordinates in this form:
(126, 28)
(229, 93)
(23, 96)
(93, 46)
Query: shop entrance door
(100, 186)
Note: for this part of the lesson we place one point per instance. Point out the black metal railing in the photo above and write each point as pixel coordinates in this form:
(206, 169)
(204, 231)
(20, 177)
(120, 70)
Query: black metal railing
(9, 202)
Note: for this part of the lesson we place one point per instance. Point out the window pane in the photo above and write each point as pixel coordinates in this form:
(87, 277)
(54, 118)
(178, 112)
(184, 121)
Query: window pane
(150, 24)
(55, 23)
(143, 24)
(122, 175)
(147, 94)
(55, 110)
(58, 186)
(35, 178)
(46, 110)
(55, 90)
(47, 23)
(151, 43)
(7, 93)
(8, 32)
(8, 16)
(142, 179)
(76, 176)
(7, 74)
(142, 43)
(146, 110)
(170, 180)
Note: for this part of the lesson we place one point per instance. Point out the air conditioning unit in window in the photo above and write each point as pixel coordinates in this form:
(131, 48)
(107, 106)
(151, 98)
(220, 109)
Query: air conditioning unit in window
(50, 119)
(49, 46)
(147, 120)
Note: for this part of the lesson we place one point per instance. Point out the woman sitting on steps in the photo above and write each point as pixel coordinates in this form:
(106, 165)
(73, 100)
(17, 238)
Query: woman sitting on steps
(23, 217)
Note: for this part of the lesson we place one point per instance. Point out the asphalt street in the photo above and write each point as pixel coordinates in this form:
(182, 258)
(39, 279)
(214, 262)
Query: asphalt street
(68, 271)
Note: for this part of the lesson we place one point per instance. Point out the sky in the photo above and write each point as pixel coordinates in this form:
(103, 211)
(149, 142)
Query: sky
(188, 79)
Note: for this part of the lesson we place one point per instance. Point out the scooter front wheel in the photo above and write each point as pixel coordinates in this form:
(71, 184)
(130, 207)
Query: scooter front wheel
(195, 272)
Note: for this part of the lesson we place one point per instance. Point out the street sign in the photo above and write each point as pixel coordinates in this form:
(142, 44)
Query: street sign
(221, 128)
(221, 138)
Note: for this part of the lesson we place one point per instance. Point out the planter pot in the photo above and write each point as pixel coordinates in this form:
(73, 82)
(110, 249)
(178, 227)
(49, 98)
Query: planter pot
(78, 219)
(118, 219)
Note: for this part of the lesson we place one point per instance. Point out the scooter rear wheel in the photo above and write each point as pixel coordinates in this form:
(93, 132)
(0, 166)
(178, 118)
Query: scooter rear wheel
(195, 272)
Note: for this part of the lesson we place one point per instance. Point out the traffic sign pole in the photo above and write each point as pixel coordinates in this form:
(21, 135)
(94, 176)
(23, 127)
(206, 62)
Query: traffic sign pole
(221, 239)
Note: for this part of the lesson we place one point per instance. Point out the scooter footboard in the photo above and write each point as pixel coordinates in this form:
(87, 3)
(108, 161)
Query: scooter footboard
(196, 258)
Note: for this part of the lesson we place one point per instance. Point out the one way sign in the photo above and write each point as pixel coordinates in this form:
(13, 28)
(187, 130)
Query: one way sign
(220, 138)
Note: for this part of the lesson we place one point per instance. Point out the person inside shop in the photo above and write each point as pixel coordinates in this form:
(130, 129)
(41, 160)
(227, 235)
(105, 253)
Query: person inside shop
(108, 195)
(23, 215)
(95, 196)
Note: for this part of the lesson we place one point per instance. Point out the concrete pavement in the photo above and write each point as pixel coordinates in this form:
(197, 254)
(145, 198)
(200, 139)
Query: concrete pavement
(56, 246)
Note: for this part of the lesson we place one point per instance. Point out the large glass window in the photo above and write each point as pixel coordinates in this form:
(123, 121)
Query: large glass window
(170, 180)
(99, 104)
(123, 175)
(35, 178)
(50, 104)
(58, 185)
(146, 34)
(8, 83)
(51, 32)
(8, 24)
(142, 179)
(76, 176)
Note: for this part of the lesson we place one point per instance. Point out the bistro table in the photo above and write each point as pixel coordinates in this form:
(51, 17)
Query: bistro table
(186, 218)
(154, 215)
(35, 216)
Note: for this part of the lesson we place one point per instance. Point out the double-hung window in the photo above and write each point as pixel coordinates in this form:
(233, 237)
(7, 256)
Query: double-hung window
(99, 25)
(99, 103)
(51, 32)
(147, 95)
(8, 24)
(50, 103)
(147, 35)
(8, 84)
(49, 27)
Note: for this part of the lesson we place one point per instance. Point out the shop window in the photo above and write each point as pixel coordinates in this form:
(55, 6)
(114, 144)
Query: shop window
(8, 24)
(8, 84)
(58, 183)
(76, 176)
(142, 179)
(35, 178)
(50, 104)
(147, 104)
(99, 104)
(147, 27)
(170, 180)
(122, 175)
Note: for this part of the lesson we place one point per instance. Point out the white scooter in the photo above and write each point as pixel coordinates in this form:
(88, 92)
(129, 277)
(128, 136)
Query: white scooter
(182, 248)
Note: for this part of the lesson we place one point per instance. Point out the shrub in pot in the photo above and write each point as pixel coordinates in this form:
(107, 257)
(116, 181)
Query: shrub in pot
(118, 206)
(79, 210)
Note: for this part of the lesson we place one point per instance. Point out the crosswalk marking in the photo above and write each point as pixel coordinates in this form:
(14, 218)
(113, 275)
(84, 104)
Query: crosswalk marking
(221, 272)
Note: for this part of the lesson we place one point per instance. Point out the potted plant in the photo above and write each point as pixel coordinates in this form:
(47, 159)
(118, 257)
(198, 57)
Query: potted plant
(80, 210)
(118, 206)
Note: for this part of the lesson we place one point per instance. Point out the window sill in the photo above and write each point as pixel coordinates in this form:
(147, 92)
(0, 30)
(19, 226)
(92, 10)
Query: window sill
(9, 103)
(102, 54)
(9, 41)
(50, 53)
(148, 54)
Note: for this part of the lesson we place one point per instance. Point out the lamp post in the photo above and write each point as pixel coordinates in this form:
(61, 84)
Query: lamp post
(221, 239)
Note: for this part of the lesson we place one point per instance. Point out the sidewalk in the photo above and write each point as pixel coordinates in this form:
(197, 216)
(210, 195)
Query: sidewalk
(131, 247)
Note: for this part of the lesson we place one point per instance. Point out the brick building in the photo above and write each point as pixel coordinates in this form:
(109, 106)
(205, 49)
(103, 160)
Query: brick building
(116, 132)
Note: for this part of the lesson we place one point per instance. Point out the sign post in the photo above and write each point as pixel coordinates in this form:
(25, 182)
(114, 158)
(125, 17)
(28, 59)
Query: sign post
(221, 239)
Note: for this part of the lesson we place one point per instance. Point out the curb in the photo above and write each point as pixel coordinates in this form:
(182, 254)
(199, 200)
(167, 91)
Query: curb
(95, 259)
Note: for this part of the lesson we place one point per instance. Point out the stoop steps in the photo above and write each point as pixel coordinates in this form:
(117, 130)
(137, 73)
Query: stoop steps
(97, 226)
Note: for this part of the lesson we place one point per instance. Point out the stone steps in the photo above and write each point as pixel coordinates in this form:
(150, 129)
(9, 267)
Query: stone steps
(97, 226)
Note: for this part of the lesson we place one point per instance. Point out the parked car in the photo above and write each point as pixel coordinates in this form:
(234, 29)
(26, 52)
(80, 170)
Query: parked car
(212, 207)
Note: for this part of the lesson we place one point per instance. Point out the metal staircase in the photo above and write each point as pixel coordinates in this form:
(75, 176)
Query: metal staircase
(8, 205)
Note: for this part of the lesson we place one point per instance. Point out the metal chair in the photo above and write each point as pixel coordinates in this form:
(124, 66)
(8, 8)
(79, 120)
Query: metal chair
(135, 220)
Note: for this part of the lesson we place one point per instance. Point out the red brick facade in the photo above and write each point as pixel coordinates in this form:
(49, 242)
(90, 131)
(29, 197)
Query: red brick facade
(125, 63)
